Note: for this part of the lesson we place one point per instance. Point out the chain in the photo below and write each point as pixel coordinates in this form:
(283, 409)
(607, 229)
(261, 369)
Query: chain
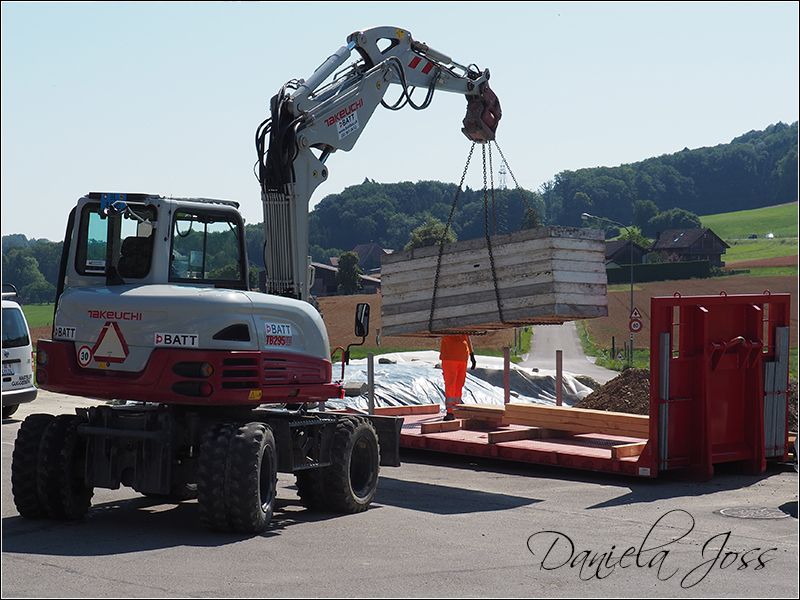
(488, 237)
(444, 236)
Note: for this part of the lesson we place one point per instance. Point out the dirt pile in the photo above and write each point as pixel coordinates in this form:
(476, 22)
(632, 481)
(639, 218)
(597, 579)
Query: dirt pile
(628, 392)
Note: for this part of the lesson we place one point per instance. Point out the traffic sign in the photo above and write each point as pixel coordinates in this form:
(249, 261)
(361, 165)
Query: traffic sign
(635, 314)
(636, 325)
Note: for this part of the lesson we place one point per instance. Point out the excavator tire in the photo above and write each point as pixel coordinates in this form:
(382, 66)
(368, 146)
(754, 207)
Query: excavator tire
(252, 478)
(237, 477)
(63, 492)
(24, 460)
(349, 483)
(211, 476)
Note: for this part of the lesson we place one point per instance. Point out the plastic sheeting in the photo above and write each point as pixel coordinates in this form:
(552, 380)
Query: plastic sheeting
(414, 378)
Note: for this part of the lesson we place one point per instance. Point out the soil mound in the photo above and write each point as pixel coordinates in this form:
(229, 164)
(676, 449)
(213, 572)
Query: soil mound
(628, 392)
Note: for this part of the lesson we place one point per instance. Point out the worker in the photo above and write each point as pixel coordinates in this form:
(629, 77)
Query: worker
(454, 352)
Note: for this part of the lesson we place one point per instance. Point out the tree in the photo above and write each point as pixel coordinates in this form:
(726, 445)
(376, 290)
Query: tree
(348, 277)
(430, 233)
(643, 211)
(530, 220)
(20, 269)
(674, 218)
(40, 292)
(636, 237)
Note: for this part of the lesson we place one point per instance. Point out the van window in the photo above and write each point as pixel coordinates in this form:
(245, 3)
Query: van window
(15, 332)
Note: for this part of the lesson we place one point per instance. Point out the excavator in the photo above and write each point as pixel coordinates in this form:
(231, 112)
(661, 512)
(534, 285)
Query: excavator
(208, 387)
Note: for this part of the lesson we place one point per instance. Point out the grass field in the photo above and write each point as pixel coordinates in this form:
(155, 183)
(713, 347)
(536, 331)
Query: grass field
(736, 227)
(742, 250)
(38, 315)
(781, 221)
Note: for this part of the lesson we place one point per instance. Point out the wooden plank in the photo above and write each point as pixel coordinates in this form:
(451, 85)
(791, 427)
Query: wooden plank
(544, 275)
(479, 411)
(412, 409)
(512, 435)
(482, 424)
(627, 450)
(440, 426)
(579, 420)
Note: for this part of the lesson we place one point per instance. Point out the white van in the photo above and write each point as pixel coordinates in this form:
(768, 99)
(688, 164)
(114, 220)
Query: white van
(18, 361)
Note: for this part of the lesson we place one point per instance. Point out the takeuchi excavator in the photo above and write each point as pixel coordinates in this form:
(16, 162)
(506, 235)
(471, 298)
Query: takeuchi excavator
(212, 388)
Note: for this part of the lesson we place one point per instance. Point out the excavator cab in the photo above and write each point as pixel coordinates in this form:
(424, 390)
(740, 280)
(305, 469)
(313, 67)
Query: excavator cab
(139, 239)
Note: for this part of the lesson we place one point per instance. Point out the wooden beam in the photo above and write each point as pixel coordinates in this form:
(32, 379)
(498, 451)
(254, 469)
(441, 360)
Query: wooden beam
(440, 426)
(626, 450)
(578, 420)
(487, 412)
(413, 409)
(512, 435)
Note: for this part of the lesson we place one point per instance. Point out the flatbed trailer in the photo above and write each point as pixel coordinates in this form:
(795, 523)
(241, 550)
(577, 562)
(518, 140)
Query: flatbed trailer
(718, 394)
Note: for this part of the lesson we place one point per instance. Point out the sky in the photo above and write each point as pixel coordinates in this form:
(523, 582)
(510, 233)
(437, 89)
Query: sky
(165, 98)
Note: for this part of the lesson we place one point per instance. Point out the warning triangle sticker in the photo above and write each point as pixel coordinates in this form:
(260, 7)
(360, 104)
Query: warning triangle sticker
(110, 346)
(636, 314)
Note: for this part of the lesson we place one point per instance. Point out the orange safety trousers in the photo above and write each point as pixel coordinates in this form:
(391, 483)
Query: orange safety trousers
(455, 374)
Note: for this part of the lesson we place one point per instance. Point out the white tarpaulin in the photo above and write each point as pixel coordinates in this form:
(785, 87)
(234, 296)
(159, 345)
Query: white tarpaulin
(414, 378)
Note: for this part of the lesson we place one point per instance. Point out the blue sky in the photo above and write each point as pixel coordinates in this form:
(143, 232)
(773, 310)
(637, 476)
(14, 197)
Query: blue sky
(165, 98)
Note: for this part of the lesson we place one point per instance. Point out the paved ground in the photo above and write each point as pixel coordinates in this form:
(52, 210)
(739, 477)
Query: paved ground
(440, 526)
(547, 339)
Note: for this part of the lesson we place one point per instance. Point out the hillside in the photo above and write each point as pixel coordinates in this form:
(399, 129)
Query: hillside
(781, 221)
(757, 169)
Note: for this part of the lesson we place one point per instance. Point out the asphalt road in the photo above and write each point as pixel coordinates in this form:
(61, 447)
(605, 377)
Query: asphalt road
(440, 526)
(547, 339)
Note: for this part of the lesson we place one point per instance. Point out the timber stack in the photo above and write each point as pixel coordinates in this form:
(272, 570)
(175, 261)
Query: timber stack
(548, 275)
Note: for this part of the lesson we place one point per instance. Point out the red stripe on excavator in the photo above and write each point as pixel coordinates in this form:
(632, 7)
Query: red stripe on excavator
(414, 62)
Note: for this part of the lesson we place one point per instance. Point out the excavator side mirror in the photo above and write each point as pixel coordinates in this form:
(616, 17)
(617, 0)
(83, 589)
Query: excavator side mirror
(362, 320)
(362, 328)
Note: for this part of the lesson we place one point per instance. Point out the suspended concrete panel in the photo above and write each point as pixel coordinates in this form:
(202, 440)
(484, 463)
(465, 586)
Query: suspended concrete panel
(548, 275)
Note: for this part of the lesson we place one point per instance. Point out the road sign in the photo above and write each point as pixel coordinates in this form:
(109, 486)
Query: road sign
(635, 314)
(635, 325)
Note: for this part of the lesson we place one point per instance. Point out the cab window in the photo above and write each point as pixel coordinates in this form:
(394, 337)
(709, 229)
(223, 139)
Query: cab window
(207, 248)
(123, 241)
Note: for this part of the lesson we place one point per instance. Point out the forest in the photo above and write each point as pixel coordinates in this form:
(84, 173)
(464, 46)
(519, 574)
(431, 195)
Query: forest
(754, 170)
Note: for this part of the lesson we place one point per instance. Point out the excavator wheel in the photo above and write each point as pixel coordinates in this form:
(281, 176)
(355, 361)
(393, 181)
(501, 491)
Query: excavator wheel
(253, 478)
(211, 476)
(24, 461)
(349, 483)
(63, 492)
(237, 477)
